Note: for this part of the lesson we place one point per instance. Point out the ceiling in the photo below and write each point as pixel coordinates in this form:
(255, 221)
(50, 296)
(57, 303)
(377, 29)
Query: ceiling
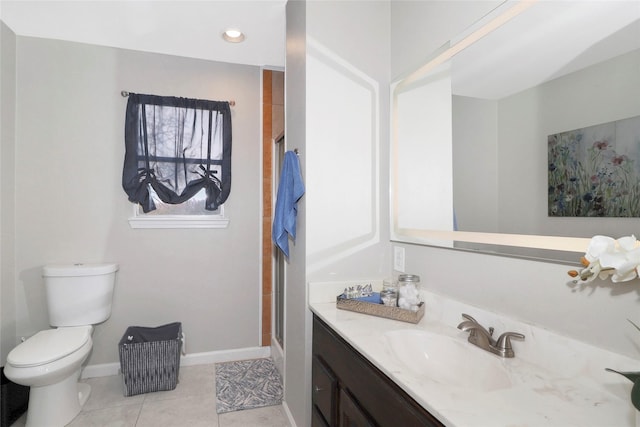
(178, 27)
(565, 34)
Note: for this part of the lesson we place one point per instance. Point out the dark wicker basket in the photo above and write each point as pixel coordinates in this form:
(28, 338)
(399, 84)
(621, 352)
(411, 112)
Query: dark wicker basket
(150, 358)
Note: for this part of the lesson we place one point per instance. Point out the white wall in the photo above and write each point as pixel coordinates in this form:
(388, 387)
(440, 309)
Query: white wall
(297, 346)
(7, 191)
(530, 291)
(347, 126)
(70, 206)
(337, 115)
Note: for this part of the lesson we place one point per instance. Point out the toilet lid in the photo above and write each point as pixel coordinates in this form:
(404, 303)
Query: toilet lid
(49, 346)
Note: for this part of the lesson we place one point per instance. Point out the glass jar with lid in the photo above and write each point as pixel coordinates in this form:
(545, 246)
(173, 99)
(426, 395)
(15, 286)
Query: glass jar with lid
(389, 293)
(408, 293)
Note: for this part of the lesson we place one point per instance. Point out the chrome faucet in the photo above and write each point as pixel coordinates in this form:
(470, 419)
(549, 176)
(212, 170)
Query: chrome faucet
(483, 338)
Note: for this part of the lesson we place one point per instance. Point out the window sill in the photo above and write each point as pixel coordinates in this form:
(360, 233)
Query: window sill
(179, 221)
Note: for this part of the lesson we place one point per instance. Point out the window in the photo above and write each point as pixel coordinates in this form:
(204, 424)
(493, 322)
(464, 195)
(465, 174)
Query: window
(189, 214)
(177, 165)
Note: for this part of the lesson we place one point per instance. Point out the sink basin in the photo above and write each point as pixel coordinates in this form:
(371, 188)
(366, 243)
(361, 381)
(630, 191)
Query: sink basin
(447, 360)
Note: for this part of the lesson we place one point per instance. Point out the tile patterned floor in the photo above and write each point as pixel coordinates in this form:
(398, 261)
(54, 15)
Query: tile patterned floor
(192, 403)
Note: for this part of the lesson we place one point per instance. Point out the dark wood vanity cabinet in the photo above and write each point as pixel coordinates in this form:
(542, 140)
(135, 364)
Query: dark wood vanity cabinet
(324, 393)
(348, 391)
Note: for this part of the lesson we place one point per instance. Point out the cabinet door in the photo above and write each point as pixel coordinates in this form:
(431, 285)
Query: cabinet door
(367, 386)
(317, 420)
(350, 414)
(324, 391)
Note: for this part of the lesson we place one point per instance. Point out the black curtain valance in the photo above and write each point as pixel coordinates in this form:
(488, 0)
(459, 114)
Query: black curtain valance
(177, 147)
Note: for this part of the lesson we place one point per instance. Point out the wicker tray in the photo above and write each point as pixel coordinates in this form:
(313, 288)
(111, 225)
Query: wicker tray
(380, 310)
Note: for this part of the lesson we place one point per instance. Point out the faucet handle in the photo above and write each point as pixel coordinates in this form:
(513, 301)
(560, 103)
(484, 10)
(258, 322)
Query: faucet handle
(504, 343)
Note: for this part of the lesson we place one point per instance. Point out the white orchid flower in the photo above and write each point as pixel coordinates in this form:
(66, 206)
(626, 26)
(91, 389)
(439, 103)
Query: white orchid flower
(628, 270)
(622, 268)
(615, 260)
(619, 278)
(624, 260)
(619, 259)
(628, 243)
(598, 246)
(591, 272)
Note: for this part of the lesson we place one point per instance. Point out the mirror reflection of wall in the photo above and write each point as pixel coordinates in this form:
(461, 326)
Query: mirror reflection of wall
(500, 147)
(425, 193)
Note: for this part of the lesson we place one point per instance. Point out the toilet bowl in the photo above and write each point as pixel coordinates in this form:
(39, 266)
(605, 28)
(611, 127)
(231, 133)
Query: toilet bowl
(50, 362)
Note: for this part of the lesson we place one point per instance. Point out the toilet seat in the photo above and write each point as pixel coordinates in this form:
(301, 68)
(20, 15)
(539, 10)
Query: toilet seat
(49, 346)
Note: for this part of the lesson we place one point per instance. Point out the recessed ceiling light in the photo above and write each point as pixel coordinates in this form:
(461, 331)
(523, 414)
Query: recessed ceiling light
(233, 36)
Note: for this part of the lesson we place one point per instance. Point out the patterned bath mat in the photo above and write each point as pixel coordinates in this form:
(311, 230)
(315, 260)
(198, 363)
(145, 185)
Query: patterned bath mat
(247, 384)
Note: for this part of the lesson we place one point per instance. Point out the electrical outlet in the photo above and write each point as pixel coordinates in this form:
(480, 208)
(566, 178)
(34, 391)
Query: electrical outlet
(398, 258)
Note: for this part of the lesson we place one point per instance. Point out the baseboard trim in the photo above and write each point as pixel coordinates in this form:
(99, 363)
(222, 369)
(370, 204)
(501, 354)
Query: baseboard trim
(288, 414)
(108, 369)
(278, 356)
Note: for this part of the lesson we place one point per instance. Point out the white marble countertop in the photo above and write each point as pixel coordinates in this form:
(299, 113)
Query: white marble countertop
(552, 381)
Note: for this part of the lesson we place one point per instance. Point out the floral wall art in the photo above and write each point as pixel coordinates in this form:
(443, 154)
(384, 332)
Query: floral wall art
(595, 171)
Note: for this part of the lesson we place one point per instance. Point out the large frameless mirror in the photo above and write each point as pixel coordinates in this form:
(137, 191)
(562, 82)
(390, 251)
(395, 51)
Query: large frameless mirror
(470, 129)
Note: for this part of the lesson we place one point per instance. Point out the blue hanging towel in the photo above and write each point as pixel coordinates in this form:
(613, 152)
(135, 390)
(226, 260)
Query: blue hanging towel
(290, 190)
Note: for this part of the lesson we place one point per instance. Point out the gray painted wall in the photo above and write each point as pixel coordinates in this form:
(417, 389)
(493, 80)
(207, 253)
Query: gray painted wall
(7, 190)
(475, 164)
(70, 206)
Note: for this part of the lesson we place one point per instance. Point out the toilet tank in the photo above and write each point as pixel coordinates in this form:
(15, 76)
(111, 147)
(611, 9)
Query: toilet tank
(79, 294)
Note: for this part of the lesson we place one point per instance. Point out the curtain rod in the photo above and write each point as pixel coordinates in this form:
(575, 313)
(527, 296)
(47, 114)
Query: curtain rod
(124, 93)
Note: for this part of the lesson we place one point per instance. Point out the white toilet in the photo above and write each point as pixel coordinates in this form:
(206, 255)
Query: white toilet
(78, 296)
